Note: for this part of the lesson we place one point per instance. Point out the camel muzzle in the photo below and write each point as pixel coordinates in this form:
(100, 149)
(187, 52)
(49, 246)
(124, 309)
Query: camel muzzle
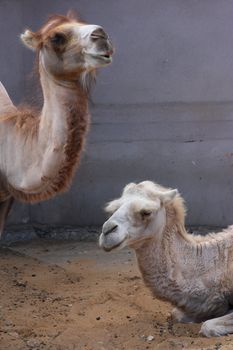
(107, 229)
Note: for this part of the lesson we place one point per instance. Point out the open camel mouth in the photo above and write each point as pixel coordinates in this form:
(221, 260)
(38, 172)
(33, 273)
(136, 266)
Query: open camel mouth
(106, 57)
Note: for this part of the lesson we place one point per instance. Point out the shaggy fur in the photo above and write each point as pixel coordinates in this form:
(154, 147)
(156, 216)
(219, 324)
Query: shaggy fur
(194, 273)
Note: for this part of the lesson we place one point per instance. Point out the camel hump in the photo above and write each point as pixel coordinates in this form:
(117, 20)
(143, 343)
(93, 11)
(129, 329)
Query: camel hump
(6, 105)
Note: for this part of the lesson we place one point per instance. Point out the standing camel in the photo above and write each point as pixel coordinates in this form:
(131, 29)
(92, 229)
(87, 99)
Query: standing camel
(194, 273)
(39, 152)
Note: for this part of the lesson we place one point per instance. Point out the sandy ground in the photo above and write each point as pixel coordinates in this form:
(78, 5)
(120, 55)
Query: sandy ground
(71, 295)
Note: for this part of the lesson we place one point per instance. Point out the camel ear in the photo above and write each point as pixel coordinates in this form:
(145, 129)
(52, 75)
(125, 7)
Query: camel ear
(112, 206)
(73, 15)
(29, 39)
(128, 187)
(168, 195)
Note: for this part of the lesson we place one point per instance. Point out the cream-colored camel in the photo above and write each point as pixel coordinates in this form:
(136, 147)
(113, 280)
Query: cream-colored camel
(40, 151)
(194, 273)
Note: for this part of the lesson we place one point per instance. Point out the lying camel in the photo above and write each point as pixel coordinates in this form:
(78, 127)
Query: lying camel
(194, 273)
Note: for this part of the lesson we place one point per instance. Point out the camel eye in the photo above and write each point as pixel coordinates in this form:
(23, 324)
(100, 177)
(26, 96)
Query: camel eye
(145, 213)
(58, 39)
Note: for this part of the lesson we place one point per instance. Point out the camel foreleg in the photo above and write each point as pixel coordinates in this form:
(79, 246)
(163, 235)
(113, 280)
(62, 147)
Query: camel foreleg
(5, 207)
(218, 326)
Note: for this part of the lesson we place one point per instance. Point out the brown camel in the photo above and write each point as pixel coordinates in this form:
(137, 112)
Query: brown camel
(40, 151)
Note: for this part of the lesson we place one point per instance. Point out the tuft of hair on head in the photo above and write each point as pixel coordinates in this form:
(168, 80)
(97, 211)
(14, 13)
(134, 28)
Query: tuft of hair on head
(74, 15)
(129, 187)
(31, 39)
(112, 206)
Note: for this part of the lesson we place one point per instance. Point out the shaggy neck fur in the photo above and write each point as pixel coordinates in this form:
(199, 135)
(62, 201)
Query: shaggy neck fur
(185, 269)
(52, 141)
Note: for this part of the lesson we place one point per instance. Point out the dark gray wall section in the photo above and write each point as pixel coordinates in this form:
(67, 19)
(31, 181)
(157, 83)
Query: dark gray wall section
(163, 110)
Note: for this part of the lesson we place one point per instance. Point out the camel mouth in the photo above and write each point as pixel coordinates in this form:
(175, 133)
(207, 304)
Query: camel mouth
(118, 245)
(105, 58)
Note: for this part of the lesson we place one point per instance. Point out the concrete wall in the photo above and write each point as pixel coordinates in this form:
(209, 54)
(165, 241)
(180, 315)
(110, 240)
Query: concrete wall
(163, 111)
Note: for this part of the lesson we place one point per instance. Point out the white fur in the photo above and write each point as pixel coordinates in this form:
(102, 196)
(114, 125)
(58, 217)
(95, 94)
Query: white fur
(194, 273)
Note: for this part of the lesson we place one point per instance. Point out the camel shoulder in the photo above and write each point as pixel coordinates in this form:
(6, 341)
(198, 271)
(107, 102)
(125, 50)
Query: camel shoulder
(6, 104)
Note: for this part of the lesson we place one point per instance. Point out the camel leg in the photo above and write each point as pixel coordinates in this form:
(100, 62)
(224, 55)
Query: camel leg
(179, 316)
(4, 211)
(218, 326)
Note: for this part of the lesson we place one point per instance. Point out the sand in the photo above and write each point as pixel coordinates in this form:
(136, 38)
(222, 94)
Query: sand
(71, 295)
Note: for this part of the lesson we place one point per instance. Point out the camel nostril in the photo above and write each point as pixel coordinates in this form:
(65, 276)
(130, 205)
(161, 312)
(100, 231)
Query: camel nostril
(98, 34)
(108, 230)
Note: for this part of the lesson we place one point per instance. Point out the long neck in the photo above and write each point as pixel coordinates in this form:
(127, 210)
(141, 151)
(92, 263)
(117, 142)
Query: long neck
(53, 153)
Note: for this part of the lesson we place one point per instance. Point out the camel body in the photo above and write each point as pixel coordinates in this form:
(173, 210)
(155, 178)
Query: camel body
(194, 273)
(40, 151)
(196, 277)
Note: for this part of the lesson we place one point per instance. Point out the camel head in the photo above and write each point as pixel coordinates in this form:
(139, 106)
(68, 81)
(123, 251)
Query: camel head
(68, 47)
(138, 215)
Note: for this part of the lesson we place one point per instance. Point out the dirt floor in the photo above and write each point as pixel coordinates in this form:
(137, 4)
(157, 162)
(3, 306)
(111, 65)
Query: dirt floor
(71, 295)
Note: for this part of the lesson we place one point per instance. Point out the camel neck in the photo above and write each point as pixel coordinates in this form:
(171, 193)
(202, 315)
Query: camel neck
(61, 99)
(57, 147)
(160, 261)
(63, 125)
(58, 95)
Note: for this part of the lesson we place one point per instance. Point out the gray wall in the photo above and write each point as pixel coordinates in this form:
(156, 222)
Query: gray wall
(163, 110)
